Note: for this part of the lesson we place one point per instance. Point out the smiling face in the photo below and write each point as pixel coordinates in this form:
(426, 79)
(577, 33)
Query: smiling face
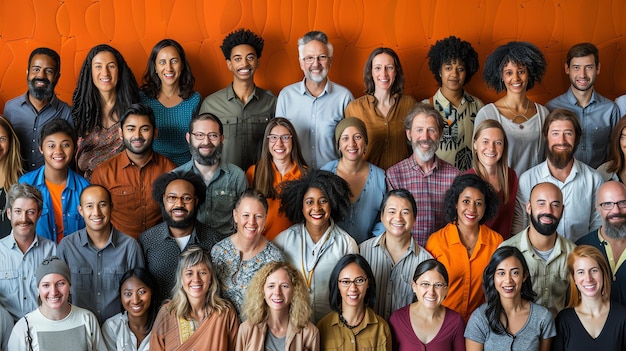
(250, 216)
(588, 277)
(561, 141)
(136, 297)
(453, 76)
(470, 207)
(138, 134)
(196, 281)
(206, 151)
(383, 71)
(316, 71)
(545, 208)
(430, 289)
(316, 209)
(424, 136)
(179, 214)
(352, 295)
(57, 150)
(582, 72)
(54, 291)
(168, 66)
(42, 76)
(278, 291)
(352, 144)
(95, 207)
(24, 214)
(243, 62)
(4, 142)
(104, 71)
(489, 146)
(397, 216)
(509, 277)
(280, 150)
(515, 77)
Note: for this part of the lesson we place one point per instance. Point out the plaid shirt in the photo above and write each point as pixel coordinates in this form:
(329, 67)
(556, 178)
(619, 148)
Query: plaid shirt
(428, 189)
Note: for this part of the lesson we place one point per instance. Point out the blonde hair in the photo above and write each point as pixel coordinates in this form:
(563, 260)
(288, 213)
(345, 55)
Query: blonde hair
(12, 162)
(255, 308)
(503, 162)
(587, 251)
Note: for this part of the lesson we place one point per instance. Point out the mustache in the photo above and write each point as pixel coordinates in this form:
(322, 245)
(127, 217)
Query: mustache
(179, 209)
(616, 216)
(43, 80)
(25, 222)
(552, 217)
(562, 145)
(140, 139)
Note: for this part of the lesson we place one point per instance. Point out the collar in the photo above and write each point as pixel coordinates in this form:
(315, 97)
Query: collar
(304, 91)
(230, 93)
(125, 161)
(544, 171)
(526, 246)
(571, 98)
(83, 239)
(416, 166)
(70, 183)
(445, 103)
(381, 241)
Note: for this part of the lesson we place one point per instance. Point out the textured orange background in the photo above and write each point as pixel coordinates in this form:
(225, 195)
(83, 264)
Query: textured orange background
(355, 27)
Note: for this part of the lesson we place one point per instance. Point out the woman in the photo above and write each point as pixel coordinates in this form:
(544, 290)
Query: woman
(453, 62)
(490, 160)
(383, 108)
(353, 324)
(509, 320)
(130, 330)
(591, 321)
(367, 182)
(278, 311)
(426, 324)
(281, 160)
(10, 169)
(515, 68)
(196, 310)
(465, 244)
(56, 324)
(106, 87)
(238, 257)
(168, 89)
(615, 167)
(315, 242)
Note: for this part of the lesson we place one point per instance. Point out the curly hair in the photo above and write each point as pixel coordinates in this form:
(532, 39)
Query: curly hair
(148, 279)
(334, 295)
(588, 251)
(459, 184)
(495, 311)
(11, 164)
(264, 169)
(160, 185)
(616, 159)
(502, 167)
(398, 84)
(255, 308)
(519, 53)
(242, 36)
(449, 50)
(87, 101)
(333, 186)
(151, 82)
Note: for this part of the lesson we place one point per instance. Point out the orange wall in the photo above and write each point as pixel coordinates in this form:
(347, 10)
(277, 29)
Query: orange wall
(355, 27)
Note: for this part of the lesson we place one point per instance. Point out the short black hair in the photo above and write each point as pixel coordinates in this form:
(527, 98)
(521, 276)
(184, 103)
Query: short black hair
(50, 53)
(459, 184)
(582, 50)
(403, 194)
(161, 183)
(242, 36)
(517, 52)
(452, 49)
(141, 110)
(57, 125)
(334, 296)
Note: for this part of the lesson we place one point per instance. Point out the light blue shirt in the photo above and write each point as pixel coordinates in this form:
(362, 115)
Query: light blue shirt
(18, 286)
(314, 118)
(596, 120)
(621, 104)
(579, 199)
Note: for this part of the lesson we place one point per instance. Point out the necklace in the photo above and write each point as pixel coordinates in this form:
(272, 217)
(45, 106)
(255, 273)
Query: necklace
(343, 320)
(515, 115)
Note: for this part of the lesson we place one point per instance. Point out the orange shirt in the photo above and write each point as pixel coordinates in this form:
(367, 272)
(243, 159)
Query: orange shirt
(56, 192)
(465, 274)
(276, 221)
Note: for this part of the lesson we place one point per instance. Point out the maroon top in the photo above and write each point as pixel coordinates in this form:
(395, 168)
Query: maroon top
(449, 338)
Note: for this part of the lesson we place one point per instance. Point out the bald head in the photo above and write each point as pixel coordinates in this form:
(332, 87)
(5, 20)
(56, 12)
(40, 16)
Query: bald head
(611, 191)
(545, 208)
(611, 205)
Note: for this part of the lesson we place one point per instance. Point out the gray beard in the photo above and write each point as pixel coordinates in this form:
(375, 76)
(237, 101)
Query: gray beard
(614, 232)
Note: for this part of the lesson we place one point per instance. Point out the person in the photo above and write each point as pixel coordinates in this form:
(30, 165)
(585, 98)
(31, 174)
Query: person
(281, 160)
(22, 250)
(168, 90)
(196, 310)
(237, 258)
(244, 107)
(58, 183)
(424, 174)
(224, 181)
(56, 324)
(315, 243)
(98, 255)
(367, 181)
(615, 166)
(509, 319)
(394, 255)
(578, 182)
(426, 324)
(383, 108)
(620, 101)
(465, 244)
(453, 62)
(490, 162)
(130, 329)
(543, 248)
(353, 325)
(6, 326)
(515, 68)
(10, 169)
(38, 106)
(106, 87)
(278, 312)
(315, 105)
(591, 321)
(179, 196)
(610, 238)
(597, 115)
(130, 174)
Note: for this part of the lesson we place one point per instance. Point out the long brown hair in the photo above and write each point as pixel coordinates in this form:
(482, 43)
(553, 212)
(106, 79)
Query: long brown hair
(616, 162)
(503, 163)
(11, 164)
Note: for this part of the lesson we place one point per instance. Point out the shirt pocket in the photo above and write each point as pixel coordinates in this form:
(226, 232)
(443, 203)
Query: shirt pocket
(81, 278)
(123, 190)
(8, 282)
(224, 201)
(112, 276)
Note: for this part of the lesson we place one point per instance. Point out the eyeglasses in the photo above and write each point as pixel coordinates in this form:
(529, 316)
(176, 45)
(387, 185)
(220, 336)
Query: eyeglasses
(201, 136)
(310, 59)
(172, 199)
(437, 286)
(285, 138)
(49, 260)
(358, 282)
(609, 205)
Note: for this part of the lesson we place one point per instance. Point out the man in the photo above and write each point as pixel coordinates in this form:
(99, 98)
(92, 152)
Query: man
(29, 112)
(22, 251)
(224, 181)
(129, 175)
(242, 106)
(578, 182)
(424, 174)
(610, 238)
(315, 105)
(179, 195)
(545, 251)
(596, 114)
(98, 256)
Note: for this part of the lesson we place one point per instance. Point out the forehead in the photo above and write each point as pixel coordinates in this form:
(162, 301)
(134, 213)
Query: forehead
(314, 192)
(168, 51)
(25, 203)
(547, 192)
(94, 194)
(56, 137)
(278, 275)
(583, 61)
(512, 65)
(280, 130)
(382, 59)
(42, 60)
(424, 120)
(397, 202)
(243, 50)
(52, 277)
(180, 186)
(352, 270)
(611, 191)
(104, 57)
(206, 125)
(315, 47)
(136, 120)
(471, 192)
(491, 133)
(561, 125)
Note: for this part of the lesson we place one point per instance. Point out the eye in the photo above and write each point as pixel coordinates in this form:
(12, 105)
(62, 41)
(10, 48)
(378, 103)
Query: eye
(174, 61)
(141, 292)
(237, 59)
(31, 212)
(466, 201)
(250, 57)
(406, 213)
(128, 294)
(89, 206)
(145, 129)
(162, 62)
(358, 137)
(323, 201)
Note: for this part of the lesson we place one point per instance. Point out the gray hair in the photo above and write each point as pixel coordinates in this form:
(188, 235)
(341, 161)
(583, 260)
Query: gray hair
(426, 109)
(24, 190)
(314, 35)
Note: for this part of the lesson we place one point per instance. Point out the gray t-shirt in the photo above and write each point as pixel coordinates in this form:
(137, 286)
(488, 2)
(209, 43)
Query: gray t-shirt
(538, 326)
(273, 343)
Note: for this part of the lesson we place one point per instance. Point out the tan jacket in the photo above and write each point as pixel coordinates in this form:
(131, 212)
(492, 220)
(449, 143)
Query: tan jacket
(252, 337)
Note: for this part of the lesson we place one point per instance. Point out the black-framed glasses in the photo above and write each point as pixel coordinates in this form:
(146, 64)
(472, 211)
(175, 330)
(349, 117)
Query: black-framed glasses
(285, 138)
(172, 199)
(437, 286)
(310, 59)
(49, 260)
(357, 281)
(609, 205)
(202, 136)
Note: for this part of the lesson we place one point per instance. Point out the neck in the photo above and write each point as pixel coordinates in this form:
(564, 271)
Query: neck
(397, 242)
(613, 242)
(99, 238)
(180, 232)
(592, 305)
(108, 98)
(139, 159)
(207, 171)
(428, 313)
(55, 314)
(138, 324)
(354, 315)
(56, 176)
(539, 241)
(24, 243)
(198, 307)
(243, 89)
(351, 166)
(315, 88)
(512, 305)
(317, 232)
(169, 90)
(516, 100)
(582, 96)
(38, 104)
(466, 232)
(454, 96)
(283, 166)
(247, 245)
(383, 97)
(278, 320)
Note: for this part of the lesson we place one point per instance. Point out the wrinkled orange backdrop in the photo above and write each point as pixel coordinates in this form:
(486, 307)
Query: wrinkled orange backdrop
(355, 27)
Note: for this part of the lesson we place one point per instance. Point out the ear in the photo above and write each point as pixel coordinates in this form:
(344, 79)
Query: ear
(40, 150)
(187, 137)
(528, 208)
(80, 210)
(598, 68)
(229, 65)
(8, 211)
(408, 134)
(566, 68)
(155, 134)
(120, 133)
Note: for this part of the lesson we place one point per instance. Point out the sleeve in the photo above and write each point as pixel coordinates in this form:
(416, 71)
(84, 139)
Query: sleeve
(281, 108)
(97, 342)
(109, 334)
(548, 329)
(136, 256)
(388, 338)
(520, 219)
(157, 336)
(233, 328)
(242, 184)
(250, 175)
(596, 220)
(477, 327)
(562, 332)
(6, 325)
(352, 111)
(243, 335)
(17, 340)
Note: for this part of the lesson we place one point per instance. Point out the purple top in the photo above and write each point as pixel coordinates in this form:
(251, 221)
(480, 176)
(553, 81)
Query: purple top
(449, 337)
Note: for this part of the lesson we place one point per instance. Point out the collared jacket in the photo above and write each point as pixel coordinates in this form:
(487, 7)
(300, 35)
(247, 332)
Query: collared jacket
(252, 337)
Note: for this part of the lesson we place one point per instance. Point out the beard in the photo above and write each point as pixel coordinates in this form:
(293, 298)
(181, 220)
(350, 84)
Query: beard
(560, 159)
(317, 78)
(189, 221)
(544, 229)
(209, 160)
(615, 231)
(41, 93)
(145, 148)
(425, 156)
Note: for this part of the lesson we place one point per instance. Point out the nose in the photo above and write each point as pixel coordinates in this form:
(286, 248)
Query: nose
(97, 210)
(134, 298)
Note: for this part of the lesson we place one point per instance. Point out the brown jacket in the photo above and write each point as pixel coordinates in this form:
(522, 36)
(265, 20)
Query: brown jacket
(252, 337)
